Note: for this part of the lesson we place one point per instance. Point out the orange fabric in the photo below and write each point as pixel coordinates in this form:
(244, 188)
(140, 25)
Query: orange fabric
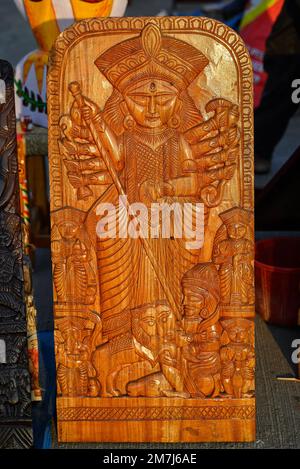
(44, 16)
(91, 8)
(42, 19)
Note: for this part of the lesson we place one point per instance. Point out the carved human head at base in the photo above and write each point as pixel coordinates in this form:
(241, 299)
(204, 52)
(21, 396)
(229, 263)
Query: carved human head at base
(153, 320)
(200, 295)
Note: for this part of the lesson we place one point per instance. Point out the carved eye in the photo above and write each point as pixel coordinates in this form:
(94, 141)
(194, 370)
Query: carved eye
(149, 321)
(164, 100)
(141, 100)
(164, 316)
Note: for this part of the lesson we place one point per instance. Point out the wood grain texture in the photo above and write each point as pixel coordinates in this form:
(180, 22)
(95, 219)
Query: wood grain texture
(15, 403)
(152, 331)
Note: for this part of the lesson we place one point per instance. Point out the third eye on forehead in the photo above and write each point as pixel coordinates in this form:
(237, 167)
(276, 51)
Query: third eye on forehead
(156, 87)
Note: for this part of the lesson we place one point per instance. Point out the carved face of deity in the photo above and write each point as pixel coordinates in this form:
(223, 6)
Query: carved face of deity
(238, 335)
(236, 230)
(152, 103)
(68, 229)
(72, 340)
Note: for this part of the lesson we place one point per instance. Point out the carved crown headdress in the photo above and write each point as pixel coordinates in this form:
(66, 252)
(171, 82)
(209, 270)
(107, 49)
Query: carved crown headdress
(151, 54)
(237, 323)
(236, 215)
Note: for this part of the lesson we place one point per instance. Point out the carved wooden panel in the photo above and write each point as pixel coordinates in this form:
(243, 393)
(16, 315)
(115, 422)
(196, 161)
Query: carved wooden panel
(154, 326)
(15, 404)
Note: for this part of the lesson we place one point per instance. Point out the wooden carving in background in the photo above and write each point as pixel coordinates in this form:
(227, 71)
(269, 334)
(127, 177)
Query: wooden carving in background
(15, 403)
(152, 328)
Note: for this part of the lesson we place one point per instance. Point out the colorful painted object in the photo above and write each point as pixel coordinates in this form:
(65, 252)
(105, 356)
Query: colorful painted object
(255, 28)
(47, 19)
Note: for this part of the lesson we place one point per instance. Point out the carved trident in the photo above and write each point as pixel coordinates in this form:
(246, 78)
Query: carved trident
(75, 90)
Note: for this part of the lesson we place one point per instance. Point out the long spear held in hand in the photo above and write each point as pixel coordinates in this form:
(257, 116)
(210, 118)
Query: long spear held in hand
(75, 90)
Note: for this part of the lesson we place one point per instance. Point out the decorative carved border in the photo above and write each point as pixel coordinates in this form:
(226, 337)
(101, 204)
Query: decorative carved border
(156, 413)
(15, 414)
(197, 25)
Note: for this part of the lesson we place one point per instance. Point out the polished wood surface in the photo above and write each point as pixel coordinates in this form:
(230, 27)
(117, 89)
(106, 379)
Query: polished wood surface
(154, 335)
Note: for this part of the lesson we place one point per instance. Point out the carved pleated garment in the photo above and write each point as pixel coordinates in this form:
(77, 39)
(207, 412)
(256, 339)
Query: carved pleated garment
(124, 264)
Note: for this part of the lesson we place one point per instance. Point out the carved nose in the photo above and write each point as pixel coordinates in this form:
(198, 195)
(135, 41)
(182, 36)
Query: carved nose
(152, 105)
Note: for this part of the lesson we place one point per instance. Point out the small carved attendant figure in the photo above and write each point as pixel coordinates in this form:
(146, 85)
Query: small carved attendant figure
(201, 294)
(237, 357)
(233, 252)
(75, 341)
(74, 279)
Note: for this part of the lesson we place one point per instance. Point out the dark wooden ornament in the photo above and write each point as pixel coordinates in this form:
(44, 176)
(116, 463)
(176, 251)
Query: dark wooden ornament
(15, 400)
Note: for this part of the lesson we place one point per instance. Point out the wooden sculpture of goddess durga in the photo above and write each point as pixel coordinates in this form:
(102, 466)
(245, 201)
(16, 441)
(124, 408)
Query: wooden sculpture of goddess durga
(161, 150)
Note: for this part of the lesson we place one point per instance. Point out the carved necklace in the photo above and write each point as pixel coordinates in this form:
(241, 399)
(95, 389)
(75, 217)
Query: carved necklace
(153, 138)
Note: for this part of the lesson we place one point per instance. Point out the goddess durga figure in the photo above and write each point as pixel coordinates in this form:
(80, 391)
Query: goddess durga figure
(161, 149)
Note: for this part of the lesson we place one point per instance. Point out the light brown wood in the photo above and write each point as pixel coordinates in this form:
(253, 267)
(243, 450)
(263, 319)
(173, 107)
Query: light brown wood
(154, 334)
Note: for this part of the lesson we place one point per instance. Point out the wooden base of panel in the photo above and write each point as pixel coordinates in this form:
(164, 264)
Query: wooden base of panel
(150, 420)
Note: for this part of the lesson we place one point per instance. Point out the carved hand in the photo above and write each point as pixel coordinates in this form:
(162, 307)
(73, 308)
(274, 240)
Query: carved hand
(91, 112)
(151, 192)
(166, 359)
(214, 144)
